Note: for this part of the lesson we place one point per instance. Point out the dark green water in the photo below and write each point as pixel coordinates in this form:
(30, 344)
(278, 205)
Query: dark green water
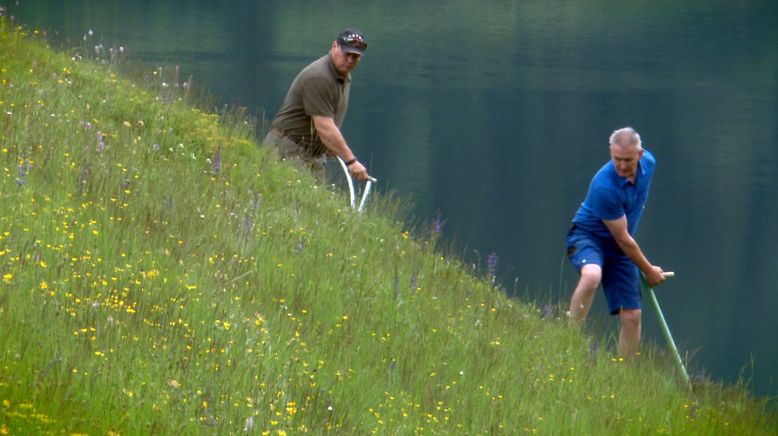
(496, 114)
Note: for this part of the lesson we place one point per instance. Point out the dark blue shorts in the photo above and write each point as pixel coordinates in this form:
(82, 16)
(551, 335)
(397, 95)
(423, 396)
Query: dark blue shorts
(620, 276)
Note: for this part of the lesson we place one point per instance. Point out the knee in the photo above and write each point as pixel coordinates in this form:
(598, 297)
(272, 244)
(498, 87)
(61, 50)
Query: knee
(591, 274)
(630, 318)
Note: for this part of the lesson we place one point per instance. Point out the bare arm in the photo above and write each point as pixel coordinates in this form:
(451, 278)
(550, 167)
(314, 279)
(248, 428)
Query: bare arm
(630, 247)
(332, 138)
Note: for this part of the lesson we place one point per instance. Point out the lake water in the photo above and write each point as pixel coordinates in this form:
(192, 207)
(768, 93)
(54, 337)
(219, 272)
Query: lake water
(496, 114)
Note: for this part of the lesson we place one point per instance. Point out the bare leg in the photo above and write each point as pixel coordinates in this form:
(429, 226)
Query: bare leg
(629, 337)
(584, 292)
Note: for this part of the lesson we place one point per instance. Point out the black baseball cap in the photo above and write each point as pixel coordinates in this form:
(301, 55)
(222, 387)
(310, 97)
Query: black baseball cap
(352, 41)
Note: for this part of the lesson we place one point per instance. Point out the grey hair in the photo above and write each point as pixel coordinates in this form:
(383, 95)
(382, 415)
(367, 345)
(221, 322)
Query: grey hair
(626, 137)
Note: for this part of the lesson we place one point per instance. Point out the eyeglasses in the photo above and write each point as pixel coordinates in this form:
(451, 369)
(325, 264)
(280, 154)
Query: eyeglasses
(353, 40)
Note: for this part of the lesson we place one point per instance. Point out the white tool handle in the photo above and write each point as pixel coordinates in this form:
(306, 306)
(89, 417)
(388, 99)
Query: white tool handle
(352, 197)
(350, 182)
(368, 185)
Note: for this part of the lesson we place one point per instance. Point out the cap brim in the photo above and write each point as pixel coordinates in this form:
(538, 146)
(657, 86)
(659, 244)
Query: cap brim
(349, 49)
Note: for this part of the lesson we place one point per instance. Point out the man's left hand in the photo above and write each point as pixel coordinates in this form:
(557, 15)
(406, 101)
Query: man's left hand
(655, 276)
(358, 171)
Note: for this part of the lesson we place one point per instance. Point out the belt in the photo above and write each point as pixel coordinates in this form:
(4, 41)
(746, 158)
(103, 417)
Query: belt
(279, 133)
(310, 148)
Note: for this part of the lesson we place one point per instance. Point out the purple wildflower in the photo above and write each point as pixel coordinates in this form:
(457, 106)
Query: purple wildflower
(593, 349)
(100, 142)
(546, 311)
(83, 178)
(248, 224)
(437, 226)
(216, 165)
(24, 169)
(491, 265)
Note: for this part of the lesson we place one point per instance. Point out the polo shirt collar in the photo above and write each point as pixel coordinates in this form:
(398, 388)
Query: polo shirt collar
(335, 74)
(641, 172)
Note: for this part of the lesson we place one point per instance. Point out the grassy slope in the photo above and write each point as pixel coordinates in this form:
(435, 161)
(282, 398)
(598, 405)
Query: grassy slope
(146, 290)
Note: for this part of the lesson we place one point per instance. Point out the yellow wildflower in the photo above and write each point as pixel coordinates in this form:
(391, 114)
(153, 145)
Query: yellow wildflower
(291, 407)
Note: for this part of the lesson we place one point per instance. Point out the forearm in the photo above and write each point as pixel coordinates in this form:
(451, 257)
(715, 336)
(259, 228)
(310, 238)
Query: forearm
(632, 250)
(629, 246)
(332, 138)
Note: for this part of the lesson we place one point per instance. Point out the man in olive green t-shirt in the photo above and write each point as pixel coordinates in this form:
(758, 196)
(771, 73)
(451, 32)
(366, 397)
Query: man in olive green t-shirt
(307, 127)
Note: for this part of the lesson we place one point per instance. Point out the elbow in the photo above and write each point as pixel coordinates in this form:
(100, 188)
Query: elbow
(325, 132)
(625, 242)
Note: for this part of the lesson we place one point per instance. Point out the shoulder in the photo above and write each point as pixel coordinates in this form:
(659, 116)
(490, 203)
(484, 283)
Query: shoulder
(648, 161)
(316, 75)
(606, 177)
(317, 69)
(605, 186)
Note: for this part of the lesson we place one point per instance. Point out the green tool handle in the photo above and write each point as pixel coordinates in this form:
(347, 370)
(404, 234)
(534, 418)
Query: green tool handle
(665, 328)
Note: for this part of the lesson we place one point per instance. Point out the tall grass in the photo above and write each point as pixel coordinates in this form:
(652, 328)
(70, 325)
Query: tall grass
(163, 273)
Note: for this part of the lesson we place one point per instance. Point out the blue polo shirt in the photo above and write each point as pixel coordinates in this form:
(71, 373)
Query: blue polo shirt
(610, 197)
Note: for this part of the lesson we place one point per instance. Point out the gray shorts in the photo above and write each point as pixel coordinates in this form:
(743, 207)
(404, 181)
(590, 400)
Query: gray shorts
(295, 152)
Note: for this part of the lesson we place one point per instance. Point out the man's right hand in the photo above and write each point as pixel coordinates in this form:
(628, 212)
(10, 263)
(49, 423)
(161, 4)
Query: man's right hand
(654, 276)
(358, 171)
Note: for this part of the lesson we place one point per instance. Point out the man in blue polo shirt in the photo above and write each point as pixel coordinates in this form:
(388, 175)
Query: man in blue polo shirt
(600, 243)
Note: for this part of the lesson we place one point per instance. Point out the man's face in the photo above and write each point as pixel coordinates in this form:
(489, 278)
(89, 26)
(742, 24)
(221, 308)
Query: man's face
(344, 62)
(626, 159)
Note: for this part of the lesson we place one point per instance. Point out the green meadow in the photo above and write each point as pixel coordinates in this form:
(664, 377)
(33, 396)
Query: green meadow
(162, 272)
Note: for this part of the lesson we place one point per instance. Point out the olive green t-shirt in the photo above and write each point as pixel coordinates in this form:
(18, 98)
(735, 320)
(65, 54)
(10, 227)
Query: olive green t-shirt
(318, 90)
